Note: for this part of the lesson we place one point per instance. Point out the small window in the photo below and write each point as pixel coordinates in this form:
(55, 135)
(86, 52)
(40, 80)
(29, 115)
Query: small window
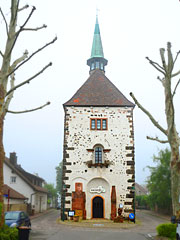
(98, 155)
(97, 64)
(101, 66)
(93, 124)
(92, 66)
(98, 124)
(13, 179)
(104, 124)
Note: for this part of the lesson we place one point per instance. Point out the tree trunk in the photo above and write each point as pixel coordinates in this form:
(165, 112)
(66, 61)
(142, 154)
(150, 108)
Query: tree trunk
(175, 181)
(2, 157)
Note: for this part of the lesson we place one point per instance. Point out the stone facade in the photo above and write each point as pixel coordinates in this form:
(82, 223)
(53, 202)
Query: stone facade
(113, 179)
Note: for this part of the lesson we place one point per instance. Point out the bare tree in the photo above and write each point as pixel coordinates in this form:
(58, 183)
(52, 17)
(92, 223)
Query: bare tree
(7, 73)
(166, 68)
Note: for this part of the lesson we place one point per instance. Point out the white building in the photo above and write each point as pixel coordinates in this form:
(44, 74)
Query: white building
(25, 183)
(98, 162)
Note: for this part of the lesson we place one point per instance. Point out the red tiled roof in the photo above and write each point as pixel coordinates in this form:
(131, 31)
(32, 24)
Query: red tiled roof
(98, 90)
(12, 193)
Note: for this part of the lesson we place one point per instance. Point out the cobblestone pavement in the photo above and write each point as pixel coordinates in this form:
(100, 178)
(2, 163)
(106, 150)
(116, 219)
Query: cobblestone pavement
(46, 227)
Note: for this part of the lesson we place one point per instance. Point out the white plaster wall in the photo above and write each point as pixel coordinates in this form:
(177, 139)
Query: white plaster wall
(20, 185)
(40, 202)
(116, 138)
(13, 201)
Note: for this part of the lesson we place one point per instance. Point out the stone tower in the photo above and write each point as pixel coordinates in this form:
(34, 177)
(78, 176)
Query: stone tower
(98, 160)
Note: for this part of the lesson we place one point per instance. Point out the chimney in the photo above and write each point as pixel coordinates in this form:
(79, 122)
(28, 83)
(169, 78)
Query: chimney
(13, 158)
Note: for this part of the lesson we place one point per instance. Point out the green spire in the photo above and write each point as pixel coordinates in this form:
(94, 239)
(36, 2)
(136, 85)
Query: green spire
(97, 60)
(97, 49)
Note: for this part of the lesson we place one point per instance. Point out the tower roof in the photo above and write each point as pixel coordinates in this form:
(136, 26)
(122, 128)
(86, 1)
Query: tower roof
(97, 60)
(98, 90)
(97, 49)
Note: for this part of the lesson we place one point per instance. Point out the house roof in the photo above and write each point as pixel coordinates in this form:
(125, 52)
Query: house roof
(20, 173)
(12, 193)
(141, 189)
(98, 90)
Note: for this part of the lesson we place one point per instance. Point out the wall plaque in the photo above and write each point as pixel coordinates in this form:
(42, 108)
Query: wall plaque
(98, 189)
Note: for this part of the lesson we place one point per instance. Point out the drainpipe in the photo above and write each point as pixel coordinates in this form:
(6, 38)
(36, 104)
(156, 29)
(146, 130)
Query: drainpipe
(8, 199)
(31, 199)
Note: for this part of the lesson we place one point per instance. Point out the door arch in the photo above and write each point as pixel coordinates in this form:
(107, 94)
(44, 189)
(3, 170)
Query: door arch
(97, 207)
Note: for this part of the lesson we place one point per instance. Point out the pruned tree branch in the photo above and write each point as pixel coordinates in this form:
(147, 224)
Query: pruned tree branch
(18, 32)
(15, 7)
(175, 74)
(34, 53)
(148, 114)
(157, 139)
(156, 65)
(25, 7)
(174, 92)
(30, 110)
(27, 19)
(162, 51)
(10, 96)
(4, 21)
(170, 58)
(35, 29)
(29, 79)
(19, 60)
(162, 80)
(2, 55)
(177, 54)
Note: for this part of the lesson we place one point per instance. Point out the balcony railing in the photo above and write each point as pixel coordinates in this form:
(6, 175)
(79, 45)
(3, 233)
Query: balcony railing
(90, 164)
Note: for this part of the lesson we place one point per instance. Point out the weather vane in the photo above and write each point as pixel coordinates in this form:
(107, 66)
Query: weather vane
(97, 10)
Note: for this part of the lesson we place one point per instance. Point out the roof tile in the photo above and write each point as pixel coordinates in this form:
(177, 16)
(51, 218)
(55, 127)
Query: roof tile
(98, 90)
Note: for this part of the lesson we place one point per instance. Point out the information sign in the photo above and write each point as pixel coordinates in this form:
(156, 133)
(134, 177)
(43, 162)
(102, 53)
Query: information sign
(131, 216)
(71, 213)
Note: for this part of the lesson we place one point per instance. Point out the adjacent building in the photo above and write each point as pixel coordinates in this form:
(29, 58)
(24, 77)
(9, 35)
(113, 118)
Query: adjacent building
(98, 161)
(25, 185)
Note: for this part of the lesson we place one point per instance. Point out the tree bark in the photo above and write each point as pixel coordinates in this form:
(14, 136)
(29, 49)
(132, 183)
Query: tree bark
(175, 186)
(2, 157)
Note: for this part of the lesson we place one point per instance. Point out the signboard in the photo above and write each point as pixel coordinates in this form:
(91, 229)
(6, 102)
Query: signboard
(98, 189)
(131, 216)
(79, 213)
(71, 213)
(5, 195)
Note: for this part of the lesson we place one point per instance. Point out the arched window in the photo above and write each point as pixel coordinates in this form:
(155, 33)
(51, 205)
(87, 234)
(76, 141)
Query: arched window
(98, 155)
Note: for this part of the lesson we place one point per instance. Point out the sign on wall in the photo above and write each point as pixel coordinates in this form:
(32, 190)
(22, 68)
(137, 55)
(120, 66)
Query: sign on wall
(98, 189)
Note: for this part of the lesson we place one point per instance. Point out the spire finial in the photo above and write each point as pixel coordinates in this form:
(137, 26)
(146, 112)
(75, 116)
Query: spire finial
(97, 10)
(97, 60)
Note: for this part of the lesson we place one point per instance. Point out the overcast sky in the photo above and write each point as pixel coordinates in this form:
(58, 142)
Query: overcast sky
(130, 31)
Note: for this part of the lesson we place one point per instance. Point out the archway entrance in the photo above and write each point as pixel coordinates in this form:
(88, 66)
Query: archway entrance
(98, 207)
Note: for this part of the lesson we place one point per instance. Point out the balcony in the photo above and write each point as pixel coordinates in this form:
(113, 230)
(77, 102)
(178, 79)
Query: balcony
(90, 164)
